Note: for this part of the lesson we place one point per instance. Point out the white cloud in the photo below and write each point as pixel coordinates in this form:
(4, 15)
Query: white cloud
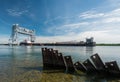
(95, 14)
(4, 39)
(111, 20)
(99, 36)
(76, 24)
(103, 26)
(108, 20)
(91, 14)
(104, 36)
(16, 12)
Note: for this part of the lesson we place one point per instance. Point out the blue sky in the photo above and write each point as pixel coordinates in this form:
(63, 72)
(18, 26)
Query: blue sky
(63, 20)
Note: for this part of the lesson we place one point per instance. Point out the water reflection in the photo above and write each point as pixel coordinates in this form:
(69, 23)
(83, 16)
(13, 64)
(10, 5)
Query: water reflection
(24, 64)
(89, 51)
(77, 53)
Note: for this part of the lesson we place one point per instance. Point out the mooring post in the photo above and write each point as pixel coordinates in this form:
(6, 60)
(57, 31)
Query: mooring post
(89, 66)
(69, 64)
(61, 62)
(49, 55)
(47, 61)
(55, 59)
(79, 66)
(45, 58)
(112, 67)
(98, 62)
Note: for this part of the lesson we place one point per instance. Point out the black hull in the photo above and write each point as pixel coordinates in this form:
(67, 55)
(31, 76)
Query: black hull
(52, 44)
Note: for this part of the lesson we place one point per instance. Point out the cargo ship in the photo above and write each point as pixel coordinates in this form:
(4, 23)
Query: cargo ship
(89, 42)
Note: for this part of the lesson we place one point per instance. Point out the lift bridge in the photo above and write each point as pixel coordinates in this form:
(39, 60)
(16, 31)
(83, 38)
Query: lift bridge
(16, 29)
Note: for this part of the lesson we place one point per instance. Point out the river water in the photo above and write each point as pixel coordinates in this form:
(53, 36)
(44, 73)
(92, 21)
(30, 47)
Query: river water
(24, 63)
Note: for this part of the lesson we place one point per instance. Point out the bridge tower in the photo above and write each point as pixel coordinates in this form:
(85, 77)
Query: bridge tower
(16, 29)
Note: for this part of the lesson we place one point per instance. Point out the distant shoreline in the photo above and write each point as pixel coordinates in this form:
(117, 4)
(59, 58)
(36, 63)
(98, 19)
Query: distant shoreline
(104, 44)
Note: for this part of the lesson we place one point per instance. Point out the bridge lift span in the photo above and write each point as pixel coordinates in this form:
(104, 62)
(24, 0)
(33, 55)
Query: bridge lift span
(16, 29)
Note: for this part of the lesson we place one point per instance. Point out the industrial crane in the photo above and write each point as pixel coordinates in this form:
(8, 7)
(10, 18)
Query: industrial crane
(16, 29)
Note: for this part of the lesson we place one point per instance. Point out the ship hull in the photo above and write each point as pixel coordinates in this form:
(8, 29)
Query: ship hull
(54, 44)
